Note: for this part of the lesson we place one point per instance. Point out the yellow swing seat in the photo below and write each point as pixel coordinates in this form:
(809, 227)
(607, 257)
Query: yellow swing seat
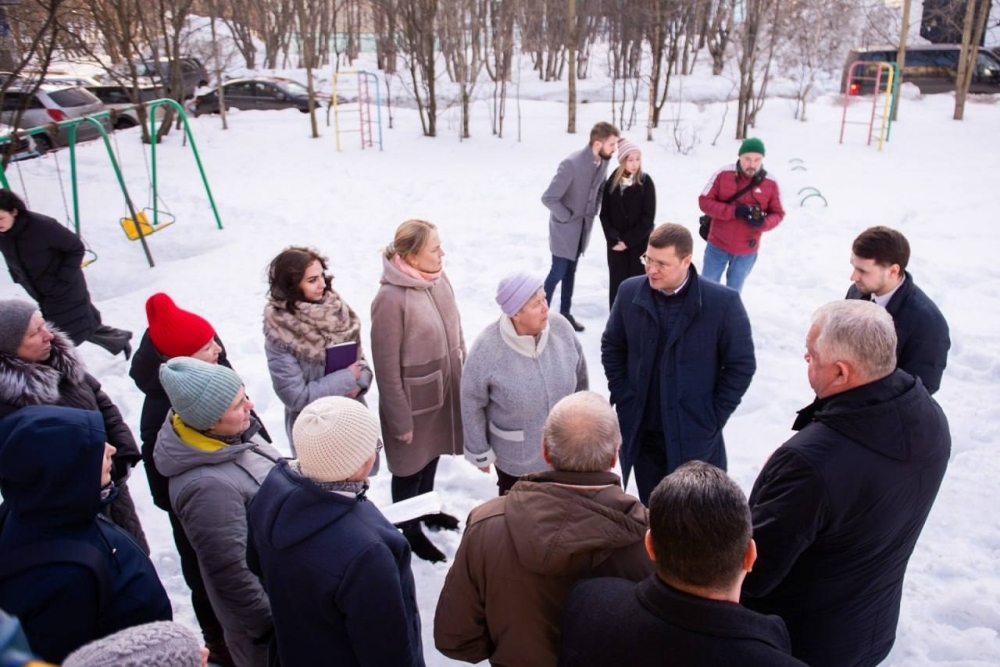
(132, 232)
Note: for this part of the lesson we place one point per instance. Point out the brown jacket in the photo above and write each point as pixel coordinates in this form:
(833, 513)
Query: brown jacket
(521, 553)
(417, 351)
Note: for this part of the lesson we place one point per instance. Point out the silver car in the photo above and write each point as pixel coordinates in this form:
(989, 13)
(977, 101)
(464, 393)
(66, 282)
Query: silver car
(52, 103)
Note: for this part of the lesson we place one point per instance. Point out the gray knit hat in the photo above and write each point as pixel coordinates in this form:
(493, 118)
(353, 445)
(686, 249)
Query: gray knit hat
(160, 644)
(15, 315)
(515, 290)
(199, 392)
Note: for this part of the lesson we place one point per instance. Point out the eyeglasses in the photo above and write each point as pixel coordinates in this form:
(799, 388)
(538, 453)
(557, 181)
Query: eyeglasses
(653, 263)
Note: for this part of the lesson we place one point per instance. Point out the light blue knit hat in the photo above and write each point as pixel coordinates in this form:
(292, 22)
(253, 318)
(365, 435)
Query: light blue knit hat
(199, 392)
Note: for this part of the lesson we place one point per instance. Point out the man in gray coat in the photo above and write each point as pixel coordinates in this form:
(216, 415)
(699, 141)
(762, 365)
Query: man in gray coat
(573, 198)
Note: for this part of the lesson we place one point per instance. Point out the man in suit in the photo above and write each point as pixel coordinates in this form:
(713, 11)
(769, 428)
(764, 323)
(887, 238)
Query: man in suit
(573, 199)
(678, 354)
(879, 257)
(700, 538)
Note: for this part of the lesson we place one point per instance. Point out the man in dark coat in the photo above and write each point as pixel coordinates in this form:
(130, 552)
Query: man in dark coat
(573, 199)
(69, 574)
(879, 257)
(336, 572)
(700, 538)
(44, 258)
(837, 509)
(39, 366)
(678, 354)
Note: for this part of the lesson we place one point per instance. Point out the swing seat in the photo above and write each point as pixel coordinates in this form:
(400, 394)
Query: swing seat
(89, 258)
(132, 232)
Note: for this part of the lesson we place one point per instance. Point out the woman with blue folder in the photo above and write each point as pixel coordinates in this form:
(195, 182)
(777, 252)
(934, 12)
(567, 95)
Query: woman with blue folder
(312, 338)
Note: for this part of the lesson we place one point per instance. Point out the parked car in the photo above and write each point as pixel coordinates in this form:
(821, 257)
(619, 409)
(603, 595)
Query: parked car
(266, 92)
(52, 103)
(193, 74)
(933, 68)
(120, 99)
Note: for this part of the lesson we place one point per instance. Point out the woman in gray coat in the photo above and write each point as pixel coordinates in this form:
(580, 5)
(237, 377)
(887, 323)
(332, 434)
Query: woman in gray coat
(518, 369)
(418, 349)
(211, 451)
(303, 317)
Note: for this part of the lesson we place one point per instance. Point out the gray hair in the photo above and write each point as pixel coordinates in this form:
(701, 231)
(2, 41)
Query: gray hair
(859, 332)
(581, 433)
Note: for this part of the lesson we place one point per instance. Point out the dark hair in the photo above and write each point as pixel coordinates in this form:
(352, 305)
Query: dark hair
(700, 525)
(672, 235)
(884, 245)
(286, 271)
(602, 131)
(10, 202)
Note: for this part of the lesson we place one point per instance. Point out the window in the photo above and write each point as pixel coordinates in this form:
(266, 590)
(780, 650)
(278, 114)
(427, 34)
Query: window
(242, 89)
(73, 97)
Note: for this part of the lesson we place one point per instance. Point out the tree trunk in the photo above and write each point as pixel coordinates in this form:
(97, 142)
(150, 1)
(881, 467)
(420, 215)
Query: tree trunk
(571, 26)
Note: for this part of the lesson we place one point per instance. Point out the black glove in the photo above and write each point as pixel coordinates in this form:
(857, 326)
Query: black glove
(752, 214)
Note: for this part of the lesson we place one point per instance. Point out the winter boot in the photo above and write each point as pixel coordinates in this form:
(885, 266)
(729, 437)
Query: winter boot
(421, 546)
(440, 521)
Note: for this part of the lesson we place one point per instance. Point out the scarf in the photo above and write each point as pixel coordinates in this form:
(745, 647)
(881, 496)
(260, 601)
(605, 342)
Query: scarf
(349, 489)
(414, 272)
(313, 327)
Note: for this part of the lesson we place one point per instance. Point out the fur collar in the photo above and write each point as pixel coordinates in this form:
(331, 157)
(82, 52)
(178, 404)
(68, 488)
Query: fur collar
(24, 383)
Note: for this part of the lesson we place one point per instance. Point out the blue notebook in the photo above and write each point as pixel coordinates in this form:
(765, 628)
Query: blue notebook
(340, 356)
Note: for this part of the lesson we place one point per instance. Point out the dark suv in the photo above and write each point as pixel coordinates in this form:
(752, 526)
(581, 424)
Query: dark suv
(932, 68)
(193, 74)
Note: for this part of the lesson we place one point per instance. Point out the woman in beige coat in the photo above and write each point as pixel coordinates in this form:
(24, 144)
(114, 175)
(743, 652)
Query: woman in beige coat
(418, 350)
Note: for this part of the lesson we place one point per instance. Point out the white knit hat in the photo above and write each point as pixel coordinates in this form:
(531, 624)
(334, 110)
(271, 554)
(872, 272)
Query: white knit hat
(160, 644)
(333, 437)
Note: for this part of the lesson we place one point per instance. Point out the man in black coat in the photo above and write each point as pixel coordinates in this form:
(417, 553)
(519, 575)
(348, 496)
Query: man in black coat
(678, 354)
(39, 366)
(879, 257)
(837, 509)
(44, 258)
(688, 613)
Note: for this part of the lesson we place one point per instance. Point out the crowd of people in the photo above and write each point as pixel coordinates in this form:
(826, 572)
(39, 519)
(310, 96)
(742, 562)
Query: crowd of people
(289, 563)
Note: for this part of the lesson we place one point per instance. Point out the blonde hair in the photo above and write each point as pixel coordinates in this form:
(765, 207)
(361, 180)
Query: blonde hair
(410, 238)
(616, 180)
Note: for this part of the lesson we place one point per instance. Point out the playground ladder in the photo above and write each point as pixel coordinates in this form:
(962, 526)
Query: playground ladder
(887, 73)
(356, 84)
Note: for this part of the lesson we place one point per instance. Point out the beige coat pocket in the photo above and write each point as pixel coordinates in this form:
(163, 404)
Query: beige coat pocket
(426, 393)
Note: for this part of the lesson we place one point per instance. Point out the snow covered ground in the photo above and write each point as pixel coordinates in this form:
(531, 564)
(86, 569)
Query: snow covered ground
(275, 187)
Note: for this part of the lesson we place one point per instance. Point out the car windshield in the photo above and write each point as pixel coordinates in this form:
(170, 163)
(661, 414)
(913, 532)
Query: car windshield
(293, 87)
(73, 97)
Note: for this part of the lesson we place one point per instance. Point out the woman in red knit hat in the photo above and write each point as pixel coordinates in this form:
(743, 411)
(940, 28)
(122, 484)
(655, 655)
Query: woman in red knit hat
(174, 332)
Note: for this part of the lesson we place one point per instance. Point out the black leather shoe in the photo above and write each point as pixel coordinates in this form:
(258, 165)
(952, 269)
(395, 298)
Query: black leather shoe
(576, 325)
(421, 546)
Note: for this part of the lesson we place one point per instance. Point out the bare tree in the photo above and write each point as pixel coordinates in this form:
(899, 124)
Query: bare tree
(238, 20)
(500, 37)
(417, 21)
(462, 30)
(976, 15)
(309, 33)
(571, 47)
(757, 36)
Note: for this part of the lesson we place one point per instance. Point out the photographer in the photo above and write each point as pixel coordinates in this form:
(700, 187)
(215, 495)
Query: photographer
(742, 201)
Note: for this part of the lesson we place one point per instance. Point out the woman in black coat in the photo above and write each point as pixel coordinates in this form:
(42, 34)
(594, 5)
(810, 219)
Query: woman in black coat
(44, 257)
(174, 332)
(628, 211)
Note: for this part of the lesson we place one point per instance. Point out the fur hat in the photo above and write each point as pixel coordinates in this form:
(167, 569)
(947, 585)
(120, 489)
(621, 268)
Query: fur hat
(159, 644)
(333, 437)
(15, 315)
(175, 332)
(199, 392)
(515, 290)
(626, 148)
(752, 145)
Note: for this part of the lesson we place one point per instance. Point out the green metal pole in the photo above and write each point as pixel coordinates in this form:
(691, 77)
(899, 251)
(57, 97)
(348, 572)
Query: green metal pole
(194, 150)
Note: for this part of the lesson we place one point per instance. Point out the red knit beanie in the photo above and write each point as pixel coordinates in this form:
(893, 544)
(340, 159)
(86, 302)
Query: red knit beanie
(176, 332)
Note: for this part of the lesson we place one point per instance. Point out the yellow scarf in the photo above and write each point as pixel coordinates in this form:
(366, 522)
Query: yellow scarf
(193, 438)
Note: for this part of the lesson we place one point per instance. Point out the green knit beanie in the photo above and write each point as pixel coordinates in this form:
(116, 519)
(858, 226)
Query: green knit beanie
(752, 145)
(199, 392)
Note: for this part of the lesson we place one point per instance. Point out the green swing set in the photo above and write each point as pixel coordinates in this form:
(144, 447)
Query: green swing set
(137, 225)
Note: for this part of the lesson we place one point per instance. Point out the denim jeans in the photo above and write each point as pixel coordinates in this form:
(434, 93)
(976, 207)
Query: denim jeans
(563, 270)
(716, 261)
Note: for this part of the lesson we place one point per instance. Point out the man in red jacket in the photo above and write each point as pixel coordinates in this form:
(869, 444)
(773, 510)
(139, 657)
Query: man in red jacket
(743, 202)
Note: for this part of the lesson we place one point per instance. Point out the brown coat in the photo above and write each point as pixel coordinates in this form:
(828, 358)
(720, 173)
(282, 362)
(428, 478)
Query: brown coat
(417, 351)
(520, 554)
